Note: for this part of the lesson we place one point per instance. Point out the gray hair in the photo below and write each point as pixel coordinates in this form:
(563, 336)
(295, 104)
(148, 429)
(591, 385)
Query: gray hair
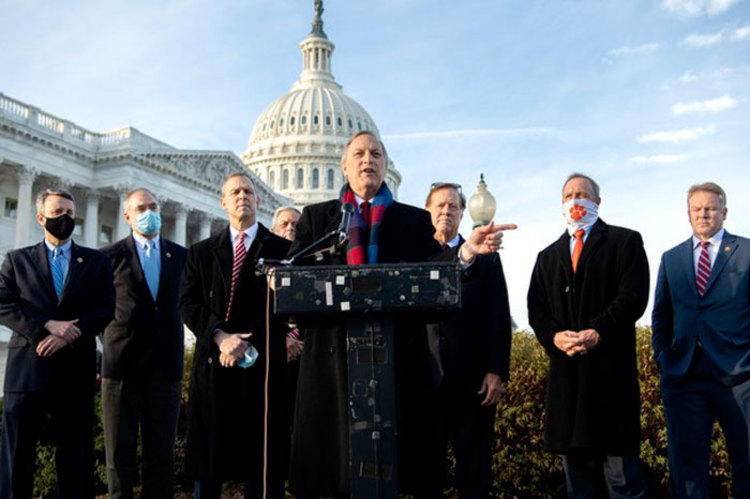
(593, 183)
(358, 134)
(134, 192)
(281, 210)
(52, 191)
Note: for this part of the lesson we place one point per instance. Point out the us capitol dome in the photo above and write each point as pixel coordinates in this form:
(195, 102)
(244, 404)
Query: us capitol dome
(297, 142)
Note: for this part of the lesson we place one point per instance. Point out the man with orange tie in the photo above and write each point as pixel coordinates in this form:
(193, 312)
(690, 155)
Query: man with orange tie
(701, 333)
(587, 290)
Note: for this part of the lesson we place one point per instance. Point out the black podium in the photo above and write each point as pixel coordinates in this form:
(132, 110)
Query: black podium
(368, 296)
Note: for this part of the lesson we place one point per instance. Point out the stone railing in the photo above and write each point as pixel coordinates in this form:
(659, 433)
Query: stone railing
(40, 121)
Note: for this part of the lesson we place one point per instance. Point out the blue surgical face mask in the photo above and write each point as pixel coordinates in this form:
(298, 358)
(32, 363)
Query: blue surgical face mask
(148, 222)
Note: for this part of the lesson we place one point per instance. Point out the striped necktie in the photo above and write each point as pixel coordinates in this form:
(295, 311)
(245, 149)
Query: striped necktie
(240, 252)
(704, 268)
(577, 248)
(58, 273)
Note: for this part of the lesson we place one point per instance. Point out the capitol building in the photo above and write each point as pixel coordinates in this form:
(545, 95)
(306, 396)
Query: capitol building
(293, 155)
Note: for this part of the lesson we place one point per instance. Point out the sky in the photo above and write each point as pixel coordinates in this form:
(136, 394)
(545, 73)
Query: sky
(646, 96)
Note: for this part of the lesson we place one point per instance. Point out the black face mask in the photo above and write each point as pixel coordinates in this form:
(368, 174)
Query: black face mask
(61, 227)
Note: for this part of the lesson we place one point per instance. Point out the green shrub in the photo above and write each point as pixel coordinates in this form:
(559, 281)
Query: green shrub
(520, 466)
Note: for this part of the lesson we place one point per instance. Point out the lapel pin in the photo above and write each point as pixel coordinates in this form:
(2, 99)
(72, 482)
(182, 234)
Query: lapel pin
(727, 249)
(79, 260)
(169, 255)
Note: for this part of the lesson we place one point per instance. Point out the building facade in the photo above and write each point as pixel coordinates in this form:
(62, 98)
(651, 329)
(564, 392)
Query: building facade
(296, 144)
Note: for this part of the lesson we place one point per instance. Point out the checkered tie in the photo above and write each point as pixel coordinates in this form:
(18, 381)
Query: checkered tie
(704, 268)
(240, 252)
(58, 274)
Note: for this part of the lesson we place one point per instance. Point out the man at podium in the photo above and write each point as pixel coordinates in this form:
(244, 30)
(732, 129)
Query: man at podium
(380, 230)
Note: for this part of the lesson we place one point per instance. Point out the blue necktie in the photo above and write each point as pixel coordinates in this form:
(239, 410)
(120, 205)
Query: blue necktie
(58, 273)
(151, 269)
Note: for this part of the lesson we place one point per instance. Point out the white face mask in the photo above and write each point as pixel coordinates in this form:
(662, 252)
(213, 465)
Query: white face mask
(580, 214)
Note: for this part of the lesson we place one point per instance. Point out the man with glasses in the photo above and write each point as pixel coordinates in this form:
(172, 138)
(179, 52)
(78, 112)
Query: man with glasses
(474, 350)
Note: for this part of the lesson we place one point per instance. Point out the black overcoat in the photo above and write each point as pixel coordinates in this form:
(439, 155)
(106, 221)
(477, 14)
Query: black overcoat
(226, 406)
(593, 401)
(319, 461)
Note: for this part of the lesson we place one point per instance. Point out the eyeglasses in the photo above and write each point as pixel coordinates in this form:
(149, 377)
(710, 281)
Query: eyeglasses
(441, 185)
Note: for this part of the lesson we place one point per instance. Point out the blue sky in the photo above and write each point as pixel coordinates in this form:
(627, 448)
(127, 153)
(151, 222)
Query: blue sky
(646, 96)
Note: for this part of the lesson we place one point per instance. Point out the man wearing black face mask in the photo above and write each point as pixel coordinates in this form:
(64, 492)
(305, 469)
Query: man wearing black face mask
(55, 296)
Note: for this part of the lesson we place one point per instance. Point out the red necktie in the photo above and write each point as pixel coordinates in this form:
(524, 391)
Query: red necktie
(240, 252)
(577, 248)
(446, 247)
(366, 212)
(704, 268)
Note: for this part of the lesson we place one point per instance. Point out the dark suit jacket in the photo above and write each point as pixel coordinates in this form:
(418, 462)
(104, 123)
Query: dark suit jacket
(320, 443)
(720, 319)
(225, 413)
(145, 334)
(476, 340)
(28, 301)
(593, 401)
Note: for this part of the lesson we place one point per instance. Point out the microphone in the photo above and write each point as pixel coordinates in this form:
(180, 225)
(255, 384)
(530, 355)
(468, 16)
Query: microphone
(346, 215)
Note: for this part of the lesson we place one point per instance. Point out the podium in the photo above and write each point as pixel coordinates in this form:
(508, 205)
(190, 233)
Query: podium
(367, 297)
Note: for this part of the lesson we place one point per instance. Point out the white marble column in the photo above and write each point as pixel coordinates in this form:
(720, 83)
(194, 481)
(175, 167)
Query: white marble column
(91, 222)
(206, 221)
(122, 229)
(180, 224)
(25, 211)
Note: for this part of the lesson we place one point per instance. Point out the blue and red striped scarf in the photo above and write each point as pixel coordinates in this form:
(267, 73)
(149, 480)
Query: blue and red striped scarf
(360, 251)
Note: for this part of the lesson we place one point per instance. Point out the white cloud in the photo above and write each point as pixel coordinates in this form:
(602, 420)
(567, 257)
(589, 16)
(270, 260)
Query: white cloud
(742, 33)
(677, 136)
(638, 49)
(469, 133)
(694, 40)
(707, 106)
(688, 77)
(694, 8)
(658, 159)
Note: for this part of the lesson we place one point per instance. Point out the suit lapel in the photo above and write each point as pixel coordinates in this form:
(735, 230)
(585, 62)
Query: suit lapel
(562, 247)
(224, 257)
(167, 262)
(686, 255)
(595, 237)
(135, 264)
(726, 250)
(45, 274)
(75, 267)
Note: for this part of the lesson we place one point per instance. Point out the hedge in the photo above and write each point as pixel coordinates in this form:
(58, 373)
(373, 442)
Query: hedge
(520, 466)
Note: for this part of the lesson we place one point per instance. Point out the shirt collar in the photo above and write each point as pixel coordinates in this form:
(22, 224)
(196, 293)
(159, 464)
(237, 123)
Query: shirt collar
(143, 241)
(454, 242)
(65, 247)
(250, 231)
(715, 240)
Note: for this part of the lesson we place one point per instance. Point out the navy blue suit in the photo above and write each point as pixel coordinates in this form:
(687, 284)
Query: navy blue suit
(142, 371)
(702, 348)
(61, 385)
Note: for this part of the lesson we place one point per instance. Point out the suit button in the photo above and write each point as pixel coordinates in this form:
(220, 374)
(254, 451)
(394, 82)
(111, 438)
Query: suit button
(332, 349)
(210, 360)
(156, 309)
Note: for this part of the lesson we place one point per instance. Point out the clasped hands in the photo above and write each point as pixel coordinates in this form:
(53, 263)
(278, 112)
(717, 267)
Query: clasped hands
(576, 343)
(484, 240)
(232, 347)
(61, 333)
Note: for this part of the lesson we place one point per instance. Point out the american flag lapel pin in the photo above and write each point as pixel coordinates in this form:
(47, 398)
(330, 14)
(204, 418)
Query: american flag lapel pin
(727, 249)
